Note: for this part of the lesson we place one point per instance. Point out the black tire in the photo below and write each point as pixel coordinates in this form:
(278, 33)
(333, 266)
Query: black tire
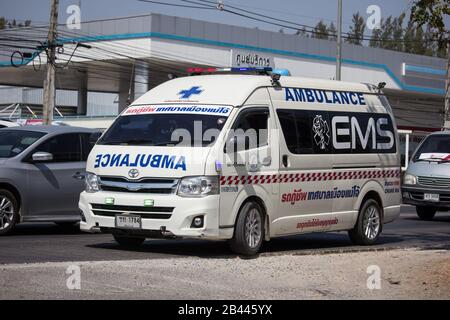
(240, 241)
(358, 234)
(9, 215)
(67, 225)
(128, 241)
(426, 213)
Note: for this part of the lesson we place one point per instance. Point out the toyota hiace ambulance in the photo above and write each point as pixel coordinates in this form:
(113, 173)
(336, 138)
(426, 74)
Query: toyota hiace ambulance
(246, 158)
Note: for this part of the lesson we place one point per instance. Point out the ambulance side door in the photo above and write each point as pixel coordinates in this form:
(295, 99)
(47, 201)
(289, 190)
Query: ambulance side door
(250, 163)
(305, 163)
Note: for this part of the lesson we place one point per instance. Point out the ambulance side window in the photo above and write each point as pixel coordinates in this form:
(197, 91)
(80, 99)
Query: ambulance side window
(253, 123)
(297, 131)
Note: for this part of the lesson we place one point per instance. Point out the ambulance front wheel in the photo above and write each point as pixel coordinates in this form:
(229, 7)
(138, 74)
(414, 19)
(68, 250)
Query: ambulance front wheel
(368, 227)
(128, 241)
(248, 230)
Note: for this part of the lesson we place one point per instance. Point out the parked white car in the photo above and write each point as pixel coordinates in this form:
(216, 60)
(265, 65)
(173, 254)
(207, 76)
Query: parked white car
(6, 123)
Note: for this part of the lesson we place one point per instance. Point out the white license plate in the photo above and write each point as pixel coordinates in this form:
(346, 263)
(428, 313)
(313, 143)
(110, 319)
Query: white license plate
(128, 222)
(431, 197)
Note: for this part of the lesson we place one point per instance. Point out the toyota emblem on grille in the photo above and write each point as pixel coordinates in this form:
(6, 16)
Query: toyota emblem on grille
(133, 173)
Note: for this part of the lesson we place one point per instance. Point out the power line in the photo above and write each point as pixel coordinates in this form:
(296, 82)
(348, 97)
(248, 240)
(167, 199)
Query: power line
(122, 47)
(272, 10)
(206, 5)
(112, 53)
(175, 5)
(262, 18)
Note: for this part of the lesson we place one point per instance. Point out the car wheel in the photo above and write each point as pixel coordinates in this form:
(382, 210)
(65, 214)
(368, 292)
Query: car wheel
(249, 230)
(9, 211)
(426, 213)
(369, 224)
(128, 241)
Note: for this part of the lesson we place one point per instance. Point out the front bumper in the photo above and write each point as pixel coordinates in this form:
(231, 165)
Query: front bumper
(414, 195)
(177, 225)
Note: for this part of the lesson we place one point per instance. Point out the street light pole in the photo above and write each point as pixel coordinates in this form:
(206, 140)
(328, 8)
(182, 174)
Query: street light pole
(447, 88)
(339, 42)
(49, 82)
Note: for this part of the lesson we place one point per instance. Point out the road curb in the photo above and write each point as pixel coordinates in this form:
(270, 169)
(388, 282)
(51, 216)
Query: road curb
(355, 250)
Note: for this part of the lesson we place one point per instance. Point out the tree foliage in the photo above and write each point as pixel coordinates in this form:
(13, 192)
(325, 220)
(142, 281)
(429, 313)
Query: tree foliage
(6, 24)
(431, 13)
(413, 38)
(356, 33)
(332, 31)
(320, 31)
(423, 34)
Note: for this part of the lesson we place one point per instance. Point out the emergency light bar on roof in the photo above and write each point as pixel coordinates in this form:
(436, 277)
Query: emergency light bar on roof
(259, 70)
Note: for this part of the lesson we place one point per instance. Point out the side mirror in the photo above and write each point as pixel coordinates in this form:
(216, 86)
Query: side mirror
(42, 156)
(236, 144)
(230, 144)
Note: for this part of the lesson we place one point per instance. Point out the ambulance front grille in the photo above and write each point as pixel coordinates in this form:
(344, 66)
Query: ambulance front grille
(145, 185)
(145, 212)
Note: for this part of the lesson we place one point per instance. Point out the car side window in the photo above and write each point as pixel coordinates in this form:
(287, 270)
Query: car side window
(64, 147)
(253, 124)
(88, 142)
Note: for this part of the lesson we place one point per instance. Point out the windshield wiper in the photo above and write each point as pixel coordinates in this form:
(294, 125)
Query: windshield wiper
(150, 143)
(189, 144)
(165, 143)
(128, 142)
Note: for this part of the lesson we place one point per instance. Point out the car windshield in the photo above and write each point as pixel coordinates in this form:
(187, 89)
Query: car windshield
(436, 147)
(14, 142)
(164, 130)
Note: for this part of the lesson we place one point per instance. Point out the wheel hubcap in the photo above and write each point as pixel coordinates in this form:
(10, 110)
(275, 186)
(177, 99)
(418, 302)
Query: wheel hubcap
(6, 212)
(253, 228)
(371, 222)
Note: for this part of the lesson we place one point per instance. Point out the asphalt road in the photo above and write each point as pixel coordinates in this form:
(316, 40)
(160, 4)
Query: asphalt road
(32, 243)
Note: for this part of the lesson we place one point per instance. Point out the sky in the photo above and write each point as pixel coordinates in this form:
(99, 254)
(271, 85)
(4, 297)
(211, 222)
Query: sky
(307, 12)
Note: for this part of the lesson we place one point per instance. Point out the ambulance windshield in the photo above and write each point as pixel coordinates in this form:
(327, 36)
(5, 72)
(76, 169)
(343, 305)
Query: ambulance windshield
(164, 129)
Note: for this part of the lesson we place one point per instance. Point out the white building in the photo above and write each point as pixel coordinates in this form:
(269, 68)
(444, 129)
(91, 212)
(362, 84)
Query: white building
(128, 56)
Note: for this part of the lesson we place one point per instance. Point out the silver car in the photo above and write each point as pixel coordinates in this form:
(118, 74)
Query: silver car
(42, 172)
(426, 183)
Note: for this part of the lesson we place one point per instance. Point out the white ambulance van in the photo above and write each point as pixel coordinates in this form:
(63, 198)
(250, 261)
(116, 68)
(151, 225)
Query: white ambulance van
(246, 158)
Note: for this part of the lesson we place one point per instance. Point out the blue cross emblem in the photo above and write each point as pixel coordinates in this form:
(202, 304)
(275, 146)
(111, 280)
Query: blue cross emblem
(185, 94)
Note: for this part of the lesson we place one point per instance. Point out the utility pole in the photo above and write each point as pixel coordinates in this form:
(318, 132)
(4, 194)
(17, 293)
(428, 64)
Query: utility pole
(447, 87)
(49, 82)
(339, 42)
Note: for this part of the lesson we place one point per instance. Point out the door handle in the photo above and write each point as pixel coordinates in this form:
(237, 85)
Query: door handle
(267, 161)
(253, 167)
(78, 175)
(285, 160)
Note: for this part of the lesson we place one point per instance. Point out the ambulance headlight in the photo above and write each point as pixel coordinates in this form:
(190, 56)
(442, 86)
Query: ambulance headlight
(91, 182)
(198, 186)
(409, 179)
